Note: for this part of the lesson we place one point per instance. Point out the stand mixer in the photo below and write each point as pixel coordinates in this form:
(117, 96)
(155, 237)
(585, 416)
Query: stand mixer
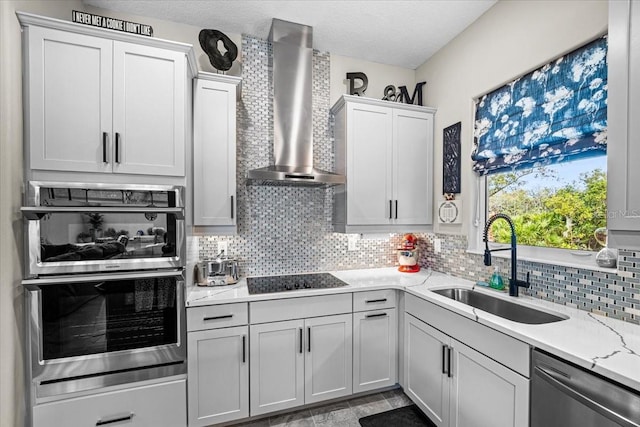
(408, 254)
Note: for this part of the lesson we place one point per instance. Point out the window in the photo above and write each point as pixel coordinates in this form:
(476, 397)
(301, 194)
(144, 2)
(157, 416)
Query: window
(558, 206)
(540, 151)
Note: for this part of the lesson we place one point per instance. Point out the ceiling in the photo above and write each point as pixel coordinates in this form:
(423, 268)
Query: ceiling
(404, 33)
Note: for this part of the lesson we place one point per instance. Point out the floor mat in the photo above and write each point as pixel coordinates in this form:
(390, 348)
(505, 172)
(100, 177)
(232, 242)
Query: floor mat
(408, 416)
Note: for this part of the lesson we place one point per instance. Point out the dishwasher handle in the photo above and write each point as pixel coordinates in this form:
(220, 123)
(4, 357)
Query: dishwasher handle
(564, 385)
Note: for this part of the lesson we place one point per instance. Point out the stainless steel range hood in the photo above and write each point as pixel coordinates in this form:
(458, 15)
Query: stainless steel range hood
(292, 111)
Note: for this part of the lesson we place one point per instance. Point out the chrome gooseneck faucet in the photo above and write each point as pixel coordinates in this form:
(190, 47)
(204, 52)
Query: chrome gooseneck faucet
(514, 283)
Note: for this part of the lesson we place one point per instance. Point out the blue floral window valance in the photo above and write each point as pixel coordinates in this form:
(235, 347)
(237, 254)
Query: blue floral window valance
(553, 114)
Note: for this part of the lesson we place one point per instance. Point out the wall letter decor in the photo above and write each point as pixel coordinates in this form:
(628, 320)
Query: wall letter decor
(352, 77)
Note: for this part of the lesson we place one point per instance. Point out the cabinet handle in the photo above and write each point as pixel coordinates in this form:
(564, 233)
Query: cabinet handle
(300, 340)
(390, 209)
(375, 300)
(309, 339)
(231, 207)
(104, 147)
(244, 349)
(444, 358)
(396, 209)
(368, 316)
(116, 419)
(226, 316)
(449, 373)
(117, 147)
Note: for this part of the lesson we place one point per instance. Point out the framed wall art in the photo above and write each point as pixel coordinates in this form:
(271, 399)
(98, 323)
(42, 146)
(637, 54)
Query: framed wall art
(451, 159)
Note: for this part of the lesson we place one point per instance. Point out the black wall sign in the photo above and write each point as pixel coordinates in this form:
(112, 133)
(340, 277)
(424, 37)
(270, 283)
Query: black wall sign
(111, 23)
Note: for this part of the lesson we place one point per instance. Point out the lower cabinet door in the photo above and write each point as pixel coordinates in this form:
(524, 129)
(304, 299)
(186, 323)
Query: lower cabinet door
(155, 405)
(277, 366)
(426, 362)
(375, 349)
(328, 357)
(486, 393)
(218, 375)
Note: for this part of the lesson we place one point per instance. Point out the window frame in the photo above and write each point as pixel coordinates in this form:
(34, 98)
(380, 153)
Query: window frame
(563, 257)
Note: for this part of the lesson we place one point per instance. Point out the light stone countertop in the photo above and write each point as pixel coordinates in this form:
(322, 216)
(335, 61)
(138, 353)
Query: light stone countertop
(606, 346)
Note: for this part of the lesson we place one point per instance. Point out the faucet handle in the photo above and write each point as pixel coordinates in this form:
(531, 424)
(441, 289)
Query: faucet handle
(524, 283)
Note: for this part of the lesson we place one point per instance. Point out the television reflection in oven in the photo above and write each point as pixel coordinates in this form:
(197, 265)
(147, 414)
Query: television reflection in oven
(74, 228)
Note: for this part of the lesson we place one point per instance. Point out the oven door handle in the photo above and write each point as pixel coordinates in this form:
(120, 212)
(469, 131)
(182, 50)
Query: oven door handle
(36, 213)
(34, 323)
(563, 384)
(100, 277)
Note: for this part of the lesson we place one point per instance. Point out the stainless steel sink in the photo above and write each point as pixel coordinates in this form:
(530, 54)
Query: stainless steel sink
(499, 307)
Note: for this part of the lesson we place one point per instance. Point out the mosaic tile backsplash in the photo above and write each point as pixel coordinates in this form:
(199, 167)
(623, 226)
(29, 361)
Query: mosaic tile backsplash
(284, 230)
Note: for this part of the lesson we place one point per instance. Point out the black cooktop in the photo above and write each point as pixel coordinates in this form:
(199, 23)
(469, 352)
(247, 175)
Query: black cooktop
(268, 284)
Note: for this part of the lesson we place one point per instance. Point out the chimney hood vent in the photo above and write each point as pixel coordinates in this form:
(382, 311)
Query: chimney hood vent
(292, 111)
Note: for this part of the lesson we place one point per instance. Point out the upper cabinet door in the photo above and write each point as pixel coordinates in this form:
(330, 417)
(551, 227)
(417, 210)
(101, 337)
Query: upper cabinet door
(148, 110)
(214, 153)
(623, 151)
(369, 136)
(412, 166)
(68, 98)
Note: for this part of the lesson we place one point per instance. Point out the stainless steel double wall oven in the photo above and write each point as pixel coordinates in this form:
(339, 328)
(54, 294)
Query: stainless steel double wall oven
(105, 285)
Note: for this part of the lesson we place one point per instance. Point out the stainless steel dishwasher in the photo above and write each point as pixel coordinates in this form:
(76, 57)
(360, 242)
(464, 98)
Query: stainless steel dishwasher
(563, 395)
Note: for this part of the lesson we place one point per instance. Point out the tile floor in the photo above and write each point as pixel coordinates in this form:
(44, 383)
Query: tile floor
(339, 414)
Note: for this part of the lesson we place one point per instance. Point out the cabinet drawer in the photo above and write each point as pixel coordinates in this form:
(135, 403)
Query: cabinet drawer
(299, 308)
(157, 405)
(373, 300)
(217, 316)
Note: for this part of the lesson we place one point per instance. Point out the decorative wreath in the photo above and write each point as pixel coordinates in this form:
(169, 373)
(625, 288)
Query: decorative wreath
(209, 41)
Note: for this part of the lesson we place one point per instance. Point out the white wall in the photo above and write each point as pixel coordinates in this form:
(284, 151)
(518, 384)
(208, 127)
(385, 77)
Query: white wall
(510, 39)
(379, 76)
(180, 33)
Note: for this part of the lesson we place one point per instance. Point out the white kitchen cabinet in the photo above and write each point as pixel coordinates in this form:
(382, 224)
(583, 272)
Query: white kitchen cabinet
(426, 380)
(456, 385)
(218, 363)
(623, 148)
(100, 101)
(154, 405)
(386, 152)
(328, 360)
(214, 150)
(375, 340)
(300, 361)
(218, 375)
(277, 366)
(301, 351)
(149, 103)
(484, 392)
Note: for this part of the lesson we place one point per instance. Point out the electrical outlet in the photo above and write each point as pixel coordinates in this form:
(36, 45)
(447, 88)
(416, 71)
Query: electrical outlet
(352, 242)
(437, 246)
(222, 247)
